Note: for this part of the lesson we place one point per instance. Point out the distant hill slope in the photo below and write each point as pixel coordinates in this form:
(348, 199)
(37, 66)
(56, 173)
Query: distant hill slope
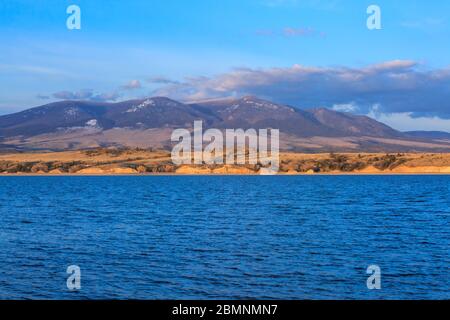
(438, 135)
(149, 123)
(148, 113)
(354, 125)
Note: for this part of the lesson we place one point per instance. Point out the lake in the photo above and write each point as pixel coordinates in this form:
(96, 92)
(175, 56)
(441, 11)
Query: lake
(225, 237)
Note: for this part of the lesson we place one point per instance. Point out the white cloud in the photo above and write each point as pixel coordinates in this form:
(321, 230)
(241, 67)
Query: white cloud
(346, 107)
(133, 84)
(406, 122)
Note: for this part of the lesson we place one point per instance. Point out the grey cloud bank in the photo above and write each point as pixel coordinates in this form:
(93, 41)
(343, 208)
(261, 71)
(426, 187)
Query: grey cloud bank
(87, 94)
(398, 86)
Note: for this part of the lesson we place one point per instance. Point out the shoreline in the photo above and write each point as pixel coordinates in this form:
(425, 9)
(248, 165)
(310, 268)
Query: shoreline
(222, 174)
(129, 162)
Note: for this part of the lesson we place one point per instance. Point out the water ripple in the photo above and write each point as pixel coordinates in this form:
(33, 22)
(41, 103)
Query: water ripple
(225, 237)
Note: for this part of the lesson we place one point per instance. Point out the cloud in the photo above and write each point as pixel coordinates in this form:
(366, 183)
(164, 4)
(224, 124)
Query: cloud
(86, 94)
(296, 32)
(397, 86)
(42, 97)
(90, 94)
(108, 96)
(74, 95)
(162, 80)
(133, 84)
(405, 121)
(346, 107)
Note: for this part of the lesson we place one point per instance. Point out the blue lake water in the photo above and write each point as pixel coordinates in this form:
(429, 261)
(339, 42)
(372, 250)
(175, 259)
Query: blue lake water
(230, 237)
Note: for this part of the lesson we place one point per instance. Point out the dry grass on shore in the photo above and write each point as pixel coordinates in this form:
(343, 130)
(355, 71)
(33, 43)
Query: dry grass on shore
(140, 161)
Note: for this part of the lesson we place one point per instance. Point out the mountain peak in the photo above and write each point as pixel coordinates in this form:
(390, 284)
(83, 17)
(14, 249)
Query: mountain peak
(153, 102)
(250, 98)
(258, 104)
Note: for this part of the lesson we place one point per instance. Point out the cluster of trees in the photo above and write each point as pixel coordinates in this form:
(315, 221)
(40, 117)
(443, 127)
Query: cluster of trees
(335, 162)
(152, 168)
(344, 163)
(75, 166)
(114, 152)
(388, 161)
(34, 167)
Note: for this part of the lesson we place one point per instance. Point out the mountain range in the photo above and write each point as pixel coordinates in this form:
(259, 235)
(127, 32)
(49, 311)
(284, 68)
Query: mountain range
(149, 122)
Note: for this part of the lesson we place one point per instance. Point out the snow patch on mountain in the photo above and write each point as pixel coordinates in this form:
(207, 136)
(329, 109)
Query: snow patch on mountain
(251, 102)
(71, 112)
(92, 123)
(145, 104)
(90, 126)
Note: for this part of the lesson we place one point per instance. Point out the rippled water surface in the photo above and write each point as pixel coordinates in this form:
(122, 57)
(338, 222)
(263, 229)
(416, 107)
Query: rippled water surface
(225, 237)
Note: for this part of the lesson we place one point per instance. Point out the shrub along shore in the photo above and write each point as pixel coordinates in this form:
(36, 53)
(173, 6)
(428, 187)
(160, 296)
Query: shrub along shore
(142, 161)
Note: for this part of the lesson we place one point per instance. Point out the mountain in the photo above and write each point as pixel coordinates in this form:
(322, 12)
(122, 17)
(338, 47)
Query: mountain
(435, 135)
(148, 113)
(353, 125)
(150, 122)
(251, 112)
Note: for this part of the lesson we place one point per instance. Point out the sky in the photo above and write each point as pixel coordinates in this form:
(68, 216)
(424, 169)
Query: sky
(305, 53)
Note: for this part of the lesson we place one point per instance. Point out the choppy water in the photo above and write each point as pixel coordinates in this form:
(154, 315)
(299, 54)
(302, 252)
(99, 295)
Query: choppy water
(225, 237)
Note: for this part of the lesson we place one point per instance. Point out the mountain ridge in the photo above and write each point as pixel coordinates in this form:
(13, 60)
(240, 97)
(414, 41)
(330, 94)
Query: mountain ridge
(147, 122)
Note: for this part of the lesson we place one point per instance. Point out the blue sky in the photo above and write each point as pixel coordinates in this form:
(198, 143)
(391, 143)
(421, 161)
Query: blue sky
(188, 49)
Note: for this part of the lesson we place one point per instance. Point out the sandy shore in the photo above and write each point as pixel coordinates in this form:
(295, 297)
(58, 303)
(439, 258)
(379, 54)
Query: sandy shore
(101, 162)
